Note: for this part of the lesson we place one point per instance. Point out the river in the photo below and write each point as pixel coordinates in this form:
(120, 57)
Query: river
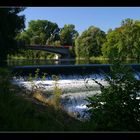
(75, 87)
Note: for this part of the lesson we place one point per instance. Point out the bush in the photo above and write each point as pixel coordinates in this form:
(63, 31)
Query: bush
(117, 107)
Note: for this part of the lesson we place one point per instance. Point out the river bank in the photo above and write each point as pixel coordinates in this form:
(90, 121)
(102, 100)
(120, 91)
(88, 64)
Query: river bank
(22, 113)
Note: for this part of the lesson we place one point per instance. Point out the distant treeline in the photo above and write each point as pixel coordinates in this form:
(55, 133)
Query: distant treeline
(122, 42)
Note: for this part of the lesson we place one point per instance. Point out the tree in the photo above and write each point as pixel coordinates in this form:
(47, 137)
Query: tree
(10, 25)
(54, 39)
(131, 33)
(124, 41)
(117, 107)
(67, 35)
(23, 38)
(39, 31)
(90, 42)
(110, 47)
(109, 30)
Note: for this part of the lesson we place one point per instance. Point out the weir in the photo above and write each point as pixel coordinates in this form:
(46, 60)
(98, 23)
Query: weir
(68, 69)
(75, 81)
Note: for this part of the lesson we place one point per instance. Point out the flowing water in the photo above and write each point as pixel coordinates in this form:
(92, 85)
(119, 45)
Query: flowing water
(75, 88)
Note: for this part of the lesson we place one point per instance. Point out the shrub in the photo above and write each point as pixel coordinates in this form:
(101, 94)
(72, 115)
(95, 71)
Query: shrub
(118, 106)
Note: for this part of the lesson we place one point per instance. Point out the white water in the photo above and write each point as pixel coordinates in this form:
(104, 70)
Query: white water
(75, 90)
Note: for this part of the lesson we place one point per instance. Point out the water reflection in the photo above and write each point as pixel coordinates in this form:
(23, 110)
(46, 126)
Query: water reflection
(63, 62)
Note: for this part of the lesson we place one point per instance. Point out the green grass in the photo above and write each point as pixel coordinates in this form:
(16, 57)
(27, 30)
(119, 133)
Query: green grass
(20, 115)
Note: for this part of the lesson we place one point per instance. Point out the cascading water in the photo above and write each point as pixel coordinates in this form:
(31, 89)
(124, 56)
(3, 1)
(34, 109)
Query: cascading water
(75, 83)
(75, 89)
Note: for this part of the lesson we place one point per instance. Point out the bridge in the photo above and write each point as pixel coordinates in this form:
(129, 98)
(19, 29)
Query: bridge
(62, 50)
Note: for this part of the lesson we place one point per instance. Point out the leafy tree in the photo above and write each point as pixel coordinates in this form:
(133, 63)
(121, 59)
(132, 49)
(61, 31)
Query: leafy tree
(23, 38)
(117, 107)
(90, 42)
(67, 35)
(39, 31)
(11, 23)
(123, 41)
(54, 39)
(109, 48)
(109, 30)
(131, 33)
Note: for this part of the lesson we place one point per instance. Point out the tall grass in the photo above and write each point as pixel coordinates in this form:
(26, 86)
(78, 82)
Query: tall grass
(23, 114)
(37, 89)
(57, 91)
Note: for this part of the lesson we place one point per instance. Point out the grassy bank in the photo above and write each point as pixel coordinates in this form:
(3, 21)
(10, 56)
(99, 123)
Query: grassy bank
(22, 113)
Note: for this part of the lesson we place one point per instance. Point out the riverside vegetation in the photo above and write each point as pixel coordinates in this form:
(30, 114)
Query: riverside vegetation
(23, 113)
(37, 89)
(117, 108)
(120, 42)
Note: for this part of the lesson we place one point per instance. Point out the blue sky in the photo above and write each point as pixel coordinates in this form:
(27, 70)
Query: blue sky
(83, 17)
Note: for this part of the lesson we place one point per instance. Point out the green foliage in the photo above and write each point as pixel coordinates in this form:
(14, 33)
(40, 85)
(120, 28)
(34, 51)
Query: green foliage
(55, 78)
(30, 78)
(23, 39)
(32, 54)
(10, 25)
(109, 48)
(123, 42)
(37, 73)
(117, 108)
(37, 89)
(57, 91)
(38, 32)
(90, 42)
(44, 76)
(67, 35)
(54, 39)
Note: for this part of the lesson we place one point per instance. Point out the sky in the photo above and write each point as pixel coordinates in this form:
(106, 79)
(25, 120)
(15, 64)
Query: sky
(83, 17)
